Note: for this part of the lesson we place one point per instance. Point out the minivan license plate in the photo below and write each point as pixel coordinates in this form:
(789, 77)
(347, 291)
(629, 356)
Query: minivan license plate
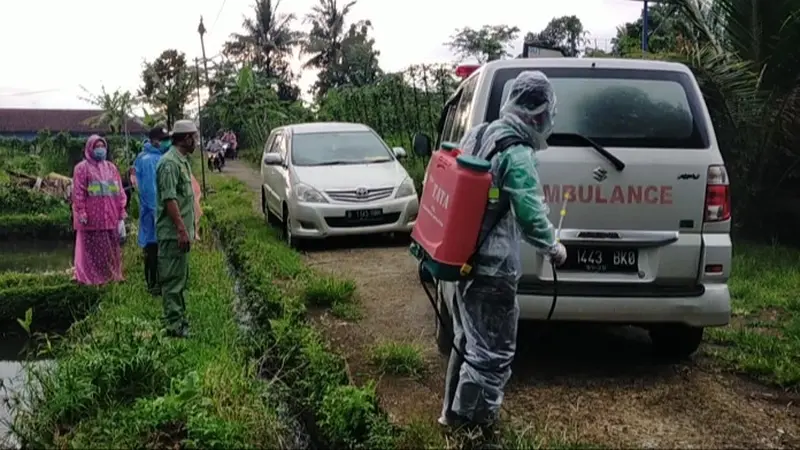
(602, 259)
(364, 214)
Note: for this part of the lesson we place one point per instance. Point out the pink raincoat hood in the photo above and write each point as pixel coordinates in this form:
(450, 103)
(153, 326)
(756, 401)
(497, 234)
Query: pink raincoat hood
(87, 149)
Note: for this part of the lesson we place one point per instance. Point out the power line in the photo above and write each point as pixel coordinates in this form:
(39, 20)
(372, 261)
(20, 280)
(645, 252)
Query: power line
(218, 14)
(25, 93)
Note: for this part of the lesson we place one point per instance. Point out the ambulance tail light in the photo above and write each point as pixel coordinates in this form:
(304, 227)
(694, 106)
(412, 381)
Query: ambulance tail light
(718, 195)
(465, 70)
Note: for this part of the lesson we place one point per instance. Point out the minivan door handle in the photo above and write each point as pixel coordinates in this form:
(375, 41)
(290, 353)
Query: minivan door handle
(634, 238)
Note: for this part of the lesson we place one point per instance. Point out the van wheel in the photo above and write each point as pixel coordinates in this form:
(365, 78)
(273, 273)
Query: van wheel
(288, 235)
(270, 218)
(676, 341)
(444, 335)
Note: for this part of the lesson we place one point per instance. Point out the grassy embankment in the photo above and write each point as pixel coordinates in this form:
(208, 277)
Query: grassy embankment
(764, 338)
(119, 382)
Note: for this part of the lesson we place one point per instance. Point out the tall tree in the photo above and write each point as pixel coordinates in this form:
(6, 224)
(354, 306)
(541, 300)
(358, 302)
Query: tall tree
(267, 42)
(342, 57)
(565, 33)
(116, 108)
(359, 63)
(167, 84)
(664, 32)
(489, 43)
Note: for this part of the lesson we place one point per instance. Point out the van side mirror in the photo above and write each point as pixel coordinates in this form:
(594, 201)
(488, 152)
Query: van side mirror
(422, 144)
(399, 152)
(273, 159)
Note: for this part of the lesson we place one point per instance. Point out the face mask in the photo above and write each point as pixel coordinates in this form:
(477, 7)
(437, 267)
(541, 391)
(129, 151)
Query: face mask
(165, 145)
(99, 154)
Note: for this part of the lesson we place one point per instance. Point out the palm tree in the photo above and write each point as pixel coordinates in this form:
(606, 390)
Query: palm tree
(746, 56)
(324, 43)
(267, 41)
(115, 106)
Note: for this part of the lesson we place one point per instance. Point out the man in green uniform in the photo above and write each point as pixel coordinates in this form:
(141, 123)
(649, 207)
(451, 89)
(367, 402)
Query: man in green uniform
(175, 224)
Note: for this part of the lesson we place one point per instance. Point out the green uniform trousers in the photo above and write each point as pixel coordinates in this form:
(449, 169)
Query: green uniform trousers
(173, 274)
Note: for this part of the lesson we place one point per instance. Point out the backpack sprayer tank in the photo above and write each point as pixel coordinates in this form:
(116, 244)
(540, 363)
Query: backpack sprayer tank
(454, 198)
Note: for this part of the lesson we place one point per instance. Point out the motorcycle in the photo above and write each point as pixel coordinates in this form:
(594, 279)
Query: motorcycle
(216, 160)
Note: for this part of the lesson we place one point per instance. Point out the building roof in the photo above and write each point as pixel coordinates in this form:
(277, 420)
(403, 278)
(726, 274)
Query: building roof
(21, 120)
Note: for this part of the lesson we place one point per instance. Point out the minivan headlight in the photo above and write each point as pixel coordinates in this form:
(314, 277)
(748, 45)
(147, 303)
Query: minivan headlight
(306, 193)
(406, 188)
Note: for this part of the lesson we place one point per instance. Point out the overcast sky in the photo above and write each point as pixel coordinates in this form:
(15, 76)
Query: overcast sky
(52, 47)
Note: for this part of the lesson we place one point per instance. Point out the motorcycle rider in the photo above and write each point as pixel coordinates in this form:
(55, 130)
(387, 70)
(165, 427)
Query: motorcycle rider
(230, 138)
(215, 150)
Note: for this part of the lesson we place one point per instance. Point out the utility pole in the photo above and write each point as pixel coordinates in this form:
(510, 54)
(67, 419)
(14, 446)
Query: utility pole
(644, 27)
(201, 29)
(200, 127)
(646, 19)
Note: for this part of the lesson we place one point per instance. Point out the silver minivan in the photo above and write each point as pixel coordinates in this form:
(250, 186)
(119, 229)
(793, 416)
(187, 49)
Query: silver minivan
(648, 222)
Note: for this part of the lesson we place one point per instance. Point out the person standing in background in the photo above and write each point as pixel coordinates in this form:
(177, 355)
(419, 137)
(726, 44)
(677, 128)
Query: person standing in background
(144, 167)
(175, 224)
(98, 211)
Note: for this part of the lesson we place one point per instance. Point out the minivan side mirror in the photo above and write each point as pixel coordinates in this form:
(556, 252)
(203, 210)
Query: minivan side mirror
(273, 159)
(399, 152)
(422, 144)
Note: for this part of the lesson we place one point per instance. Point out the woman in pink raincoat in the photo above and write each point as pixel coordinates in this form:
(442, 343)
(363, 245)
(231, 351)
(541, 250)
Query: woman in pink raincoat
(98, 210)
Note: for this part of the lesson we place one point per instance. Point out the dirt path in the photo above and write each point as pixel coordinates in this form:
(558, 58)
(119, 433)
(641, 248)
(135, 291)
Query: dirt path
(596, 385)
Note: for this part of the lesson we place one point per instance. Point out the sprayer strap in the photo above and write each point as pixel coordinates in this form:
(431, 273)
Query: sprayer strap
(500, 146)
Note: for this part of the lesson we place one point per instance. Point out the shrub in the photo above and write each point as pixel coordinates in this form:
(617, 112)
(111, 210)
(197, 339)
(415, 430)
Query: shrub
(329, 291)
(36, 226)
(19, 200)
(55, 301)
(399, 358)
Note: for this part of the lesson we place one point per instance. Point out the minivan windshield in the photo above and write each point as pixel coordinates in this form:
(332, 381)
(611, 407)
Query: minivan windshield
(333, 148)
(617, 107)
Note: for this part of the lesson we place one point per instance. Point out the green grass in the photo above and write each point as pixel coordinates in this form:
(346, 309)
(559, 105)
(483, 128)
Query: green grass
(764, 337)
(279, 288)
(54, 300)
(398, 358)
(119, 382)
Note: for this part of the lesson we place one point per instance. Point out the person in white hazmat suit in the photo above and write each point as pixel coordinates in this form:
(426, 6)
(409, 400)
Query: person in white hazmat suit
(485, 309)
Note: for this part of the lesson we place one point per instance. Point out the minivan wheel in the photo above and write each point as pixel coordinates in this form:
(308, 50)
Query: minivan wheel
(269, 217)
(288, 236)
(444, 335)
(676, 340)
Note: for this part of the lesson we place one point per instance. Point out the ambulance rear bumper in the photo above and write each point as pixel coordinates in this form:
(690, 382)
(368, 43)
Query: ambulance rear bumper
(707, 305)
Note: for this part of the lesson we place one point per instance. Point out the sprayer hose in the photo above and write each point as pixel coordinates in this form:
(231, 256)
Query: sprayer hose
(443, 324)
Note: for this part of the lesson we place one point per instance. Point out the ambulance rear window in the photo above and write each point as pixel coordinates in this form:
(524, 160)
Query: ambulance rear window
(617, 107)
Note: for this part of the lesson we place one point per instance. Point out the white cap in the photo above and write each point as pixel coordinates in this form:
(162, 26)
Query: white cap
(184, 126)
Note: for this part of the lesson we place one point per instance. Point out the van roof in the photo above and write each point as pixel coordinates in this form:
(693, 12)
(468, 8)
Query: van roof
(607, 63)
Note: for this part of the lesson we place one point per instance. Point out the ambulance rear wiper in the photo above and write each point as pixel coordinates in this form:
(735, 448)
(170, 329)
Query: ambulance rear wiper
(618, 164)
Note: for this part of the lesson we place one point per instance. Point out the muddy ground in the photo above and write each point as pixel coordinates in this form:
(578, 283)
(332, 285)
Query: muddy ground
(591, 384)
